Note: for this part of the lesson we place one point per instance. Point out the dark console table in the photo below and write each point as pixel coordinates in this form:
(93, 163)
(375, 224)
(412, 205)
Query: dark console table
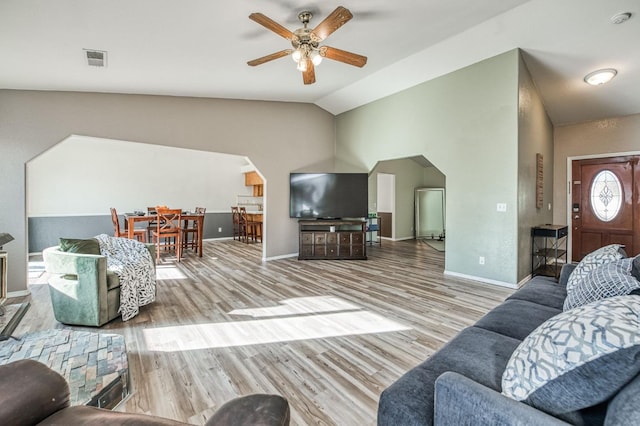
(548, 249)
(332, 239)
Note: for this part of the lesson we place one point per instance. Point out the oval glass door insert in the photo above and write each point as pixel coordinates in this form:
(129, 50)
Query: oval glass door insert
(606, 195)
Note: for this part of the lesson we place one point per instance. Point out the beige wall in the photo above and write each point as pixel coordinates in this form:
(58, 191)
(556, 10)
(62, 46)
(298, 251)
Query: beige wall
(535, 136)
(267, 132)
(603, 137)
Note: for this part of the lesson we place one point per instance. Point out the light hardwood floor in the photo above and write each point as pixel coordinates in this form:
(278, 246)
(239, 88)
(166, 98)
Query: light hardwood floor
(328, 335)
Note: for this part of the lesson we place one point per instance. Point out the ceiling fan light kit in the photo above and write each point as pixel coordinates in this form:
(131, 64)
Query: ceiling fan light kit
(599, 77)
(307, 52)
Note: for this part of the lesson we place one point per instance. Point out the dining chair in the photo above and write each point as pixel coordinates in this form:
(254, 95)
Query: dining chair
(190, 230)
(168, 232)
(237, 223)
(248, 226)
(138, 234)
(152, 224)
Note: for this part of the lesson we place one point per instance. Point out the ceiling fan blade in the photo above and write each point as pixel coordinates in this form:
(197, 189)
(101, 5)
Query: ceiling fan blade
(309, 76)
(335, 20)
(272, 25)
(268, 58)
(343, 56)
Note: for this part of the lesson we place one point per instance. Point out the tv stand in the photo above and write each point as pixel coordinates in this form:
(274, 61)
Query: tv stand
(332, 239)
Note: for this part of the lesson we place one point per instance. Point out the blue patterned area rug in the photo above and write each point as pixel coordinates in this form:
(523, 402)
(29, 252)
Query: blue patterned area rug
(435, 244)
(94, 364)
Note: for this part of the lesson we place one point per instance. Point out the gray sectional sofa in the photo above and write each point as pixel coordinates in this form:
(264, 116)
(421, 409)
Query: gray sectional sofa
(462, 382)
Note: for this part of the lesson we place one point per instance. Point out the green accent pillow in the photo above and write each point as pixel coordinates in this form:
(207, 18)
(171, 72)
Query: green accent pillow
(74, 245)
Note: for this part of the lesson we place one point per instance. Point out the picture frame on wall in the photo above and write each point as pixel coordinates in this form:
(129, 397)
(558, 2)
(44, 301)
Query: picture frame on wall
(539, 181)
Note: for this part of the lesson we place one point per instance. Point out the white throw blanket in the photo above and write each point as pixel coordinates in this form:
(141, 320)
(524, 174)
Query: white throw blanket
(132, 263)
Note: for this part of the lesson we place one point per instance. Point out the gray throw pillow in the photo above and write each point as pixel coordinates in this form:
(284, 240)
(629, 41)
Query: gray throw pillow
(577, 358)
(635, 267)
(607, 280)
(592, 260)
(75, 245)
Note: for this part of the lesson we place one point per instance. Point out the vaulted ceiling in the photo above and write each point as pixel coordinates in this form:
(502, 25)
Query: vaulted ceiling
(201, 48)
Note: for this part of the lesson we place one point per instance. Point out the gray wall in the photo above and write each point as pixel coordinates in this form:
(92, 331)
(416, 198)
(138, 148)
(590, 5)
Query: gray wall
(535, 135)
(466, 124)
(45, 231)
(267, 132)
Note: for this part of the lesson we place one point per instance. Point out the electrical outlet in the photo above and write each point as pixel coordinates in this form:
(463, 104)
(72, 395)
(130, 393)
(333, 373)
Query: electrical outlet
(501, 207)
(481, 260)
(220, 229)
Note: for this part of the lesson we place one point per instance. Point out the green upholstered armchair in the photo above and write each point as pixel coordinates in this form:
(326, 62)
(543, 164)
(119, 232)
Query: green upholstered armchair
(83, 292)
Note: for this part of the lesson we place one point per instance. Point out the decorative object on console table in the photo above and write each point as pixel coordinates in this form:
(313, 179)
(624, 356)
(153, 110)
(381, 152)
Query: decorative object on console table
(332, 239)
(548, 249)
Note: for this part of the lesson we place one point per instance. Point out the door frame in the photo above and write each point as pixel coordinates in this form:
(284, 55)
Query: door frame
(390, 179)
(570, 161)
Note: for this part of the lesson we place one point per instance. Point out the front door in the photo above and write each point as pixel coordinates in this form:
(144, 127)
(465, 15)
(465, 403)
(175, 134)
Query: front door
(605, 204)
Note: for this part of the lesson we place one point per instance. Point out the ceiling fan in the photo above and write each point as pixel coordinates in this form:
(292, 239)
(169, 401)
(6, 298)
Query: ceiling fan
(306, 51)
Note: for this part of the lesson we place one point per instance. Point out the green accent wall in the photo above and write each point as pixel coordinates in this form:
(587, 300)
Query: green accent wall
(535, 136)
(466, 124)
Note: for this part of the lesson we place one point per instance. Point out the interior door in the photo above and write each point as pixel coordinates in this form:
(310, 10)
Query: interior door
(605, 204)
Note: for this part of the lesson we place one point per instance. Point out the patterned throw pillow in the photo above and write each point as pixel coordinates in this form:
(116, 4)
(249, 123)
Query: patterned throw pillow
(591, 261)
(607, 280)
(578, 358)
(635, 268)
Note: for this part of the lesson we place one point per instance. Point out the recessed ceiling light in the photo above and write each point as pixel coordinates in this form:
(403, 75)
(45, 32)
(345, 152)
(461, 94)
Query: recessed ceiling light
(620, 18)
(599, 77)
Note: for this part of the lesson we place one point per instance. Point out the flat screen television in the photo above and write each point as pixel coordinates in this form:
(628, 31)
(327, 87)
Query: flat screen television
(328, 195)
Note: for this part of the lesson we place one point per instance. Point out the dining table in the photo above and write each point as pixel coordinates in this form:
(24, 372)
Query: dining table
(132, 218)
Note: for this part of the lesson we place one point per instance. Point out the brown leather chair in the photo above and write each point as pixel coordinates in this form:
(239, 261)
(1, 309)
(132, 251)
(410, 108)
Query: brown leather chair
(138, 234)
(43, 396)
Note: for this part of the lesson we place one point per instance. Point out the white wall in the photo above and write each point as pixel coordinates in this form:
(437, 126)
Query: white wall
(97, 174)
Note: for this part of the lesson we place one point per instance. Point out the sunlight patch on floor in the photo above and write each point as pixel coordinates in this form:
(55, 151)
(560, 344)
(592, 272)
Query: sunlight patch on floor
(299, 305)
(168, 272)
(36, 272)
(274, 330)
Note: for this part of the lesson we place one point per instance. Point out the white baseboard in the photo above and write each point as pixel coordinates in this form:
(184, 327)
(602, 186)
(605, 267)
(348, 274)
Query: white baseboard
(482, 280)
(524, 280)
(282, 256)
(20, 293)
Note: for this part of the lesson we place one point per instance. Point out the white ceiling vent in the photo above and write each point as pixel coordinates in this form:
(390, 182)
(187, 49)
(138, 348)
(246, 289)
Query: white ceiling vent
(96, 58)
